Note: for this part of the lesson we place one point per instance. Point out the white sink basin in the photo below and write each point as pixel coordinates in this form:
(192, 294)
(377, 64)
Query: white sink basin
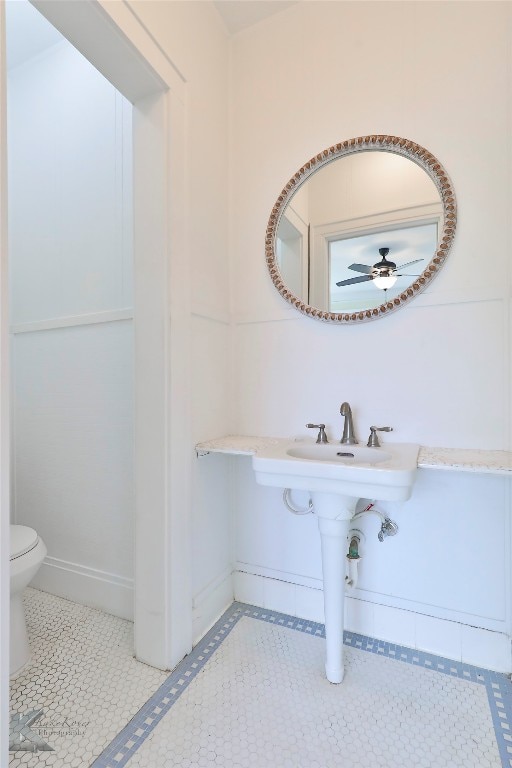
(385, 473)
(340, 454)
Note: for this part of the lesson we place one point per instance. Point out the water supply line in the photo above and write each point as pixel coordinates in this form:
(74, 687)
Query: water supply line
(388, 527)
(295, 510)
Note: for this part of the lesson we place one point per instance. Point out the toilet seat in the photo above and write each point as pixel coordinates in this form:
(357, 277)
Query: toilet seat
(23, 539)
(26, 557)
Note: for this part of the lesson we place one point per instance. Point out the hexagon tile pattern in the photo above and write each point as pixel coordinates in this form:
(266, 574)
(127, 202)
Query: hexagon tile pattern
(83, 676)
(252, 694)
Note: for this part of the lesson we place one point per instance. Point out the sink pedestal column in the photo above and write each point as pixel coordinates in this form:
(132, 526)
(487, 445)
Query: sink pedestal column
(334, 523)
(333, 535)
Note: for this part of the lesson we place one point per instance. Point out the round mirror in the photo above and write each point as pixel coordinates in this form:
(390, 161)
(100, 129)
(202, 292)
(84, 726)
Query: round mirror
(361, 229)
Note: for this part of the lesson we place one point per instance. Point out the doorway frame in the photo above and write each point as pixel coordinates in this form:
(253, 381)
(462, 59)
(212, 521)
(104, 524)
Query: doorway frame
(114, 40)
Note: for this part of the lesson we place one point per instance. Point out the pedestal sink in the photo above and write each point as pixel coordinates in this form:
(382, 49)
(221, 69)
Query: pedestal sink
(337, 476)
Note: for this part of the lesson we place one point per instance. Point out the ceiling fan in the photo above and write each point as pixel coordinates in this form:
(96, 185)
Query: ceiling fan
(383, 273)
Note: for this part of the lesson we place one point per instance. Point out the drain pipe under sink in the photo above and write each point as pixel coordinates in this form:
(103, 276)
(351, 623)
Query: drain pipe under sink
(353, 557)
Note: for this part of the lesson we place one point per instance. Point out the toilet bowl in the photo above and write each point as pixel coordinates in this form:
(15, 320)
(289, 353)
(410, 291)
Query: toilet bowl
(27, 553)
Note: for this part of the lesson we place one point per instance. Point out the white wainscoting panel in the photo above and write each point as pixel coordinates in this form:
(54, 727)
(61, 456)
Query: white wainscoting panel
(98, 589)
(211, 603)
(73, 438)
(453, 640)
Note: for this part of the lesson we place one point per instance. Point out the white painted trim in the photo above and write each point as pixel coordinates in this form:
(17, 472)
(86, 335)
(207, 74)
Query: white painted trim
(163, 460)
(431, 297)
(267, 316)
(477, 295)
(274, 573)
(98, 589)
(210, 313)
(444, 614)
(211, 602)
(149, 47)
(381, 222)
(451, 639)
(301, 228)
(4, 414)
(104, 32)
(204, 594)
(378, 598)
(73, 321)
(178, 419)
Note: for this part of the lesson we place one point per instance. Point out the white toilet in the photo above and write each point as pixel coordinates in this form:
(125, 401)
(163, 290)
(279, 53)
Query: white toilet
(27, 553)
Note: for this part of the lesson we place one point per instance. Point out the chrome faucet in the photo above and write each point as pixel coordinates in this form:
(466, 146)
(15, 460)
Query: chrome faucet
(322, 437)
(349, 437)
(373, 440)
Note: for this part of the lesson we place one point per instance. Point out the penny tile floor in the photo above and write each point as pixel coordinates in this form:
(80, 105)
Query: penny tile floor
(252, 694)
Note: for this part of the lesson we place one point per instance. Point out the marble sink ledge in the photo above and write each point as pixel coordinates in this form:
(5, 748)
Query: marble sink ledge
(242, 445)
(455, 459)
(466, 460)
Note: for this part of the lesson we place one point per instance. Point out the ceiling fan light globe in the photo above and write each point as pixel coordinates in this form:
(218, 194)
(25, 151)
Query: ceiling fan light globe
(385, 281)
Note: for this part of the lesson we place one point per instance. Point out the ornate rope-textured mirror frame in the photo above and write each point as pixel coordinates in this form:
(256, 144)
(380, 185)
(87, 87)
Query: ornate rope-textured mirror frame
(396, 145)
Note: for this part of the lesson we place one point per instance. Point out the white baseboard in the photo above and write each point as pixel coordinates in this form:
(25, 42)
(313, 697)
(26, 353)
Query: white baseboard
(98, 589)
(209, 604)
(451, 639)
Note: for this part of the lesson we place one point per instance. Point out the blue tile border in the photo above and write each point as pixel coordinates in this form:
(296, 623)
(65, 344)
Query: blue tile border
(127, 742)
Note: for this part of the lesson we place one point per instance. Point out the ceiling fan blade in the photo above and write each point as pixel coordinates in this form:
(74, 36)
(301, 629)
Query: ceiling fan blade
(353, 280)
(409, 263)
(361, 268)
(402, 274)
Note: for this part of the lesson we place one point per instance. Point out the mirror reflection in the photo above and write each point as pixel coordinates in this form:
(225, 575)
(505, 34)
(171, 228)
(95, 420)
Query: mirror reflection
(359, 231)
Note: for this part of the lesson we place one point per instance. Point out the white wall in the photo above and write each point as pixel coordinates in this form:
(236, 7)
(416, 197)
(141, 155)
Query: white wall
(70, 230)
(438, 370)
(367, 183)
(413, 369)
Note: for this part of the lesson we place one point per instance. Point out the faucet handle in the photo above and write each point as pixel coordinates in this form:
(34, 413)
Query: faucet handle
(322, 437)
(373, 440)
